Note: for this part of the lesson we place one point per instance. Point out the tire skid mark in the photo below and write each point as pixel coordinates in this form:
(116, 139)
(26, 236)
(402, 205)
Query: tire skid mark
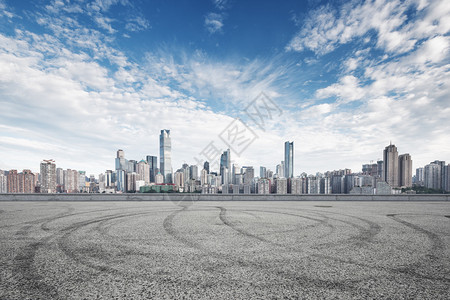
(63, 243)
(375, 231)
(224, 219)
(44, 225)
(435, 253)
(170, 229)
(367, 235)
(437, 243)
(32, 281)
(323, 222)
(296, 278)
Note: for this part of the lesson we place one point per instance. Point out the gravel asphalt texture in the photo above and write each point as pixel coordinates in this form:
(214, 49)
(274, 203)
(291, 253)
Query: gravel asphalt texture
(225, 250)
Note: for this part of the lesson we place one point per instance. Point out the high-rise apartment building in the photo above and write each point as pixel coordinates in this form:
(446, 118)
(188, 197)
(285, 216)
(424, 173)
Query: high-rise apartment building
(48, 176)
(13, 181)
(405, 170)
(296, 185)
(432, 176)
(390, 167)
(281, 185)
(165, 156)
(263, 186)
(289, 159)
(26, 182)
(3, 182)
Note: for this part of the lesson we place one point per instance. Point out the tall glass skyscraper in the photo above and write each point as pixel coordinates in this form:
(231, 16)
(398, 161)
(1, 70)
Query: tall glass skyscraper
(289, 159)
(152, 162)
(225, 163)
(165, 157)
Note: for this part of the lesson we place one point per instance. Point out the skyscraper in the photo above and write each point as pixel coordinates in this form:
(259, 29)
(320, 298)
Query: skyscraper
(390, 167)
(13, 181)
(153, 165)
(289, 159)
(48, 176)
(262, 172)
(206, 166)
(405, 170)
(225, 163)
(165, 157)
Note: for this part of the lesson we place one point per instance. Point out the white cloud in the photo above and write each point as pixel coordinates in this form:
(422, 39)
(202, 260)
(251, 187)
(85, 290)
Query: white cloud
(105, 23)
(214, 22)
(326, 27)
(137, 24)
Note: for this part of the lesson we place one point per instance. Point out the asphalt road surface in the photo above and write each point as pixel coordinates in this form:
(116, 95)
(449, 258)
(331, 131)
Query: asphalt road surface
(224, 250)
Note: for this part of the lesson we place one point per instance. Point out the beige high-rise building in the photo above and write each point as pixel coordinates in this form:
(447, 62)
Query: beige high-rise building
(390, 168)
(48, 176)
(13, 181)
(26, 182)
(405, 170)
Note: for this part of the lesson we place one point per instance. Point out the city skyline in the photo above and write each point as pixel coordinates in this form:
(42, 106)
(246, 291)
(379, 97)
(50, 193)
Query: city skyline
(81, 79)
(392, 175)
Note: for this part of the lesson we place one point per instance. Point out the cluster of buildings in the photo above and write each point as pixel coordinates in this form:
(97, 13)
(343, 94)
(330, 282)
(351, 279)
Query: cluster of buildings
(387, 176)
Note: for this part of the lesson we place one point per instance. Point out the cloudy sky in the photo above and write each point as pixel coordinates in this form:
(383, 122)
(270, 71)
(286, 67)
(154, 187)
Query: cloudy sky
(80, 79)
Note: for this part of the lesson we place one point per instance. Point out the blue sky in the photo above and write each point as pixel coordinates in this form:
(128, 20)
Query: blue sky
(80, 79)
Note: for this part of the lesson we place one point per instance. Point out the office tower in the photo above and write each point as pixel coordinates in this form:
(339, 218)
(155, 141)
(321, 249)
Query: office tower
(225, 163)
(193, 170)
(432, 176)
(13, 181)
(405, 170)
(380, 168)
(153, 165)
(390, 167)
(109, 182)
(165, 157)
(121, 162)
(289, 159)
(206, 166)
(121, 181)
(48, 176)
(3, 182)
(262, 172)
(249, 175)
(132, 166)
(281, 185)
(143, 171)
